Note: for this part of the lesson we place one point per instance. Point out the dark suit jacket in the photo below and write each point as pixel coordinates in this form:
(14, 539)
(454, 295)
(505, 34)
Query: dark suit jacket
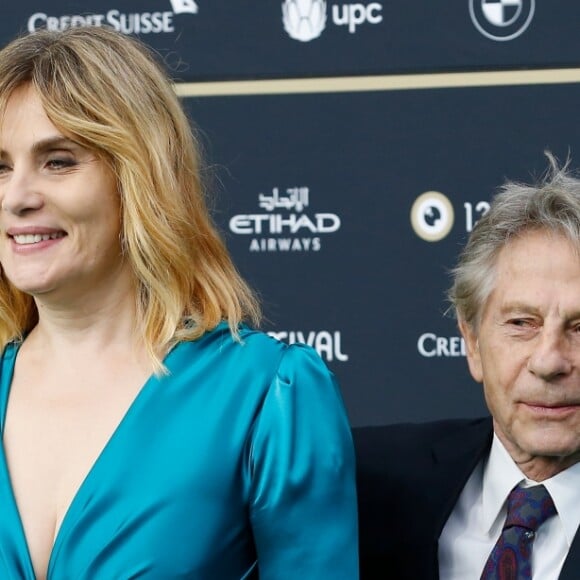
(409, 478)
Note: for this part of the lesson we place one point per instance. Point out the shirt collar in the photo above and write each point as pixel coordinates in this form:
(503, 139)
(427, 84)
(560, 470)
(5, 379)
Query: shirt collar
(501, 475)
(563, 488)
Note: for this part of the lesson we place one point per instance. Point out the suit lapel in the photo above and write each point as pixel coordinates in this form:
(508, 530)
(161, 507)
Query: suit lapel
(455, 457)
(571, 568)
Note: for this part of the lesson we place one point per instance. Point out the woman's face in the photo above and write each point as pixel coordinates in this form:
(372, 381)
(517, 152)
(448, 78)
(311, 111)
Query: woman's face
(59, 218)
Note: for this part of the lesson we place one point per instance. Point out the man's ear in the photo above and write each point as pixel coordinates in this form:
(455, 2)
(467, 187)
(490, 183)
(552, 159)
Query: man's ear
(472, 350)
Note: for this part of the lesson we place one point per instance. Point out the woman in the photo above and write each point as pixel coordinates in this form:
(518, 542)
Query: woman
(147, 431)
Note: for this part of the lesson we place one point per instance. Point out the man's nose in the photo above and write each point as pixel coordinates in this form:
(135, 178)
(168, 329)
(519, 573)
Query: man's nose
(550, 357)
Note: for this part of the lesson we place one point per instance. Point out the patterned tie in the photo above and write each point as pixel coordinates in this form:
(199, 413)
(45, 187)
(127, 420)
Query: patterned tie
(511, 558)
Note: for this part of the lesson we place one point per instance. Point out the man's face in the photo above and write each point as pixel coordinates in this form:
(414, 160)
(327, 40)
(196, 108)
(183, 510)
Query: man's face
(527, 352)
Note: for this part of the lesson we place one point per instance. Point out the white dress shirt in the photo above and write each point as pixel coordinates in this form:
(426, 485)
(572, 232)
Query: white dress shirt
(477, 519)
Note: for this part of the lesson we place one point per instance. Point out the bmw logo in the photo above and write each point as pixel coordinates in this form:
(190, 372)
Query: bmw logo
(501, 19)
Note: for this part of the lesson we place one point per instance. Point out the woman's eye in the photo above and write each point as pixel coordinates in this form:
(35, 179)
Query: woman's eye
(4, 168)
(60, 163)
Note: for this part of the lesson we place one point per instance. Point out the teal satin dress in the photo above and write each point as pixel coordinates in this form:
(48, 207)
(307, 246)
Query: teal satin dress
(237, 464)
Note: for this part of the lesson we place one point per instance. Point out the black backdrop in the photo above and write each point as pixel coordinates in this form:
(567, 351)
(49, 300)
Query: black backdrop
(351, 146)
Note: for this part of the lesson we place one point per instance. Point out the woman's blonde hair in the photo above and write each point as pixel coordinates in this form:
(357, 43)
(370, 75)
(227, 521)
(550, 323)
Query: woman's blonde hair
(107, 92)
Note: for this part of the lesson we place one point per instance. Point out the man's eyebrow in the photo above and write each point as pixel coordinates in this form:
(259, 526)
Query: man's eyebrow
(518, 308)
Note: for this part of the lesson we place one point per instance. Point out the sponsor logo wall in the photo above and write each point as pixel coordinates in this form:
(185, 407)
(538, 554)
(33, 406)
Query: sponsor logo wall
(246, 39)
(346, 208)
(408, 178)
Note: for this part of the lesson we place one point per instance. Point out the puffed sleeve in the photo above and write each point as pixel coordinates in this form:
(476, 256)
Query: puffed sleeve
(301, 475)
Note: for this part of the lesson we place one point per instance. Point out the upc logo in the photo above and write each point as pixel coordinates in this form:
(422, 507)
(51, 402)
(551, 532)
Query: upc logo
(501, 19)
(304, 20)
(184, 6)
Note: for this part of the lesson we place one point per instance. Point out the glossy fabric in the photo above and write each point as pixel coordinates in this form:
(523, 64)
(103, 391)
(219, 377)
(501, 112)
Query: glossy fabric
(243, 454)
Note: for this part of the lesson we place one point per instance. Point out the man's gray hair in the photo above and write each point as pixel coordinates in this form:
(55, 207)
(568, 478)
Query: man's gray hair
(551, 205)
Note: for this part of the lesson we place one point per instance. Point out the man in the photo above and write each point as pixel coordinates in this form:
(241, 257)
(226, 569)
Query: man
(434, 497)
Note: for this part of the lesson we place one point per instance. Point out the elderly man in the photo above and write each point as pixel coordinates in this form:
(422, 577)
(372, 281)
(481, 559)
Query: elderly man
(497, 497)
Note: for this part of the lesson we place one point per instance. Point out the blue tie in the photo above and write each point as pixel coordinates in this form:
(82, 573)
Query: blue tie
(511, 557)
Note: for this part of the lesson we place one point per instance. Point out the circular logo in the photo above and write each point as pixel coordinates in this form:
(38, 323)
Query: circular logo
(501, 19)
(432, 216)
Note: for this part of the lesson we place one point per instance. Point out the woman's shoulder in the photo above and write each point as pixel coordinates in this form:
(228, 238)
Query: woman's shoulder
(298, 365)
(246, 340)
(264, 345)
(257, 349)
(10, 350)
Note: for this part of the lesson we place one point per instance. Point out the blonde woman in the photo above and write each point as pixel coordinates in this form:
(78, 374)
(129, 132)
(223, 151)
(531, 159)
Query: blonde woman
(148, 431)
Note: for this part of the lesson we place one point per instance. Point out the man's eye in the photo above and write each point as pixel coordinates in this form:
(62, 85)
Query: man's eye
(4, 168)
(521, 322)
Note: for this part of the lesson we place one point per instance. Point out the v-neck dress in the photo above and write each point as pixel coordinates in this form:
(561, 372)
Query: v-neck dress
(238, 463)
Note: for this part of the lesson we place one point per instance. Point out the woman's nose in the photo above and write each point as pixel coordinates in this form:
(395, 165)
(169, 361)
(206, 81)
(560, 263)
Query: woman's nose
(19, 192)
